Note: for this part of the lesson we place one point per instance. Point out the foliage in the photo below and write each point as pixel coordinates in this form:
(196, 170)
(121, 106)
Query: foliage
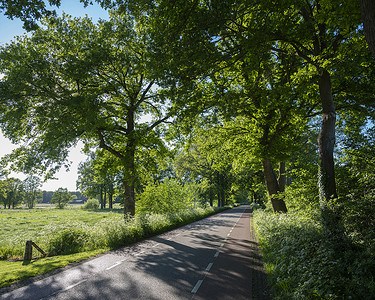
(94, 80)
(32, 193)
(69, 239)
(301, 264)
(61, 197)
(91, 204)
(166, 197)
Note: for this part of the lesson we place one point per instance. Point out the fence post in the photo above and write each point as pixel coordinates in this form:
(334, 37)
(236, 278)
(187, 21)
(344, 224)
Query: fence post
(28, 251)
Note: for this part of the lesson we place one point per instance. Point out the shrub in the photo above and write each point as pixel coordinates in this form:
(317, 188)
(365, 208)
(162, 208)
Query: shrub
(302, 265)
(71, 239)
(166, 197)
(91, 204)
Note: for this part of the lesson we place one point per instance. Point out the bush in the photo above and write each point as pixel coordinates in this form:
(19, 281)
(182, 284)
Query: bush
(91, 204)
(301, 264)
(67, 240)
(166, 197)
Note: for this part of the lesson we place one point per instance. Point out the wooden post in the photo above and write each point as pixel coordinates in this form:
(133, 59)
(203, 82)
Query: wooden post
(37, 248)
(28, 251)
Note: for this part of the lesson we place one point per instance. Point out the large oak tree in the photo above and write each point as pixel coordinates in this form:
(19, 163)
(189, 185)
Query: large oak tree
(72, 80)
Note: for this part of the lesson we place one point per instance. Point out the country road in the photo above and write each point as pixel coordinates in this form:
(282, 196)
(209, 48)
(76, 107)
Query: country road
(215, 258)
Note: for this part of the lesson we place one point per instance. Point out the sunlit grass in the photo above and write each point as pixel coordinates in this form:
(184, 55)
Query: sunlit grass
(11, 271)
(78, 233)
(19, 225)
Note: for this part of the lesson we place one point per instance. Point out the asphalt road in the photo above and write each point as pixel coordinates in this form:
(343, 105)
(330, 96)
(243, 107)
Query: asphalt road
(215, 258)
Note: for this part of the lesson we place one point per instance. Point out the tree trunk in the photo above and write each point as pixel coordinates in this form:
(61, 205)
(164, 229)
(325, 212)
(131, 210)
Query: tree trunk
(223, 200)
(273, 187)
(282, 177)
(333, 228)
(129, 190)
(101, 198)
(326, 140)
(110, 201)
(368, 18)
(129, 198)
(105, 198)
(129, 163)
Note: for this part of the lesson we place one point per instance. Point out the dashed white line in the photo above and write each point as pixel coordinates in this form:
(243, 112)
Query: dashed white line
(228, 234)
(216, 254)
(209, 267)
(74, 285)
(196, 287)
(115, 265)
(222, 245)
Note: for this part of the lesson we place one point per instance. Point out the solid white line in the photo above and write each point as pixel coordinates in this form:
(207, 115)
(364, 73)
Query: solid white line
(74, 285)
(209, 267)
(115, 265)
(216, 254)
(197, 286)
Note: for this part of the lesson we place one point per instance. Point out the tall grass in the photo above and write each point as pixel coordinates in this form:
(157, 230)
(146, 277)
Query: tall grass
(111, 231)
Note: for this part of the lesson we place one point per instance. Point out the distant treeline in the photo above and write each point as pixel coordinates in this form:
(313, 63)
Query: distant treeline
(47, 196)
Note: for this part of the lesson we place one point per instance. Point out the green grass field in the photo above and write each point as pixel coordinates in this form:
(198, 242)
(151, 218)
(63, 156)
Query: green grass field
(72, 234)
(19, 225)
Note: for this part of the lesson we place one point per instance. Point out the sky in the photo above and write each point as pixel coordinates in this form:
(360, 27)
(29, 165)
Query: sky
(11, 28)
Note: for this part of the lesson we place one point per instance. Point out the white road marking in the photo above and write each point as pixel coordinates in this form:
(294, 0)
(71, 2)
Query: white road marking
(155, 245)
(139, 253)
(222, 245)
(228, 234)
(209, 267)
(74, 285)
(115, 265)
(197, 286)
(216, 254)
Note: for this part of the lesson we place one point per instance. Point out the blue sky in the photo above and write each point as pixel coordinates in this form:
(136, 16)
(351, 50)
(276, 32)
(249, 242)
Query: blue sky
(11, 28)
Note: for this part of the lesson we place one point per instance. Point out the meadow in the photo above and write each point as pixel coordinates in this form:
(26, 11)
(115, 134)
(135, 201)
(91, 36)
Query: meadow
(19, 225)
(72, 234)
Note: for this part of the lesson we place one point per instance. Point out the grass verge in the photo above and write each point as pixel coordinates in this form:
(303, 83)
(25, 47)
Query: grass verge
(12, 271)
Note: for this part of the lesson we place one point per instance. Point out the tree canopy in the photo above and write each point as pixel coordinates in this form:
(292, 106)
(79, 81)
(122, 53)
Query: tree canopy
(74, 80)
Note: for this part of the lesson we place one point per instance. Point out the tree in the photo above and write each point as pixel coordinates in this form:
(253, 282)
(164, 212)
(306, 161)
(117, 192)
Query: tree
(31, 11)
(12, 193)
(207, 163)
(99, 176)
(368, 18)
(31, 186)
(316, 32)
(94, 80)
(61, 197)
